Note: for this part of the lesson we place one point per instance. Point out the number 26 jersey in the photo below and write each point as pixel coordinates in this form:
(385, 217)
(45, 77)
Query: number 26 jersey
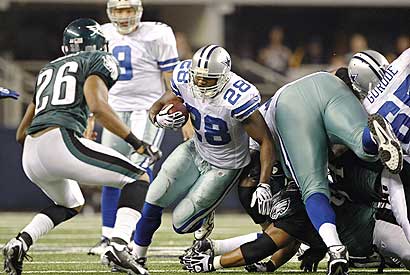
(220, 137)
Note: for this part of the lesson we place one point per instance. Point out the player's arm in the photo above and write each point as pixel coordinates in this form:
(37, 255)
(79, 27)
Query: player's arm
(25, 123)
(96, 95)
(257, 129)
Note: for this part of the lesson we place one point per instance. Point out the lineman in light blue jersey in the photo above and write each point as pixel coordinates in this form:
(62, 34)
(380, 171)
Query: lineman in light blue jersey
(306, 117)
(224, 112)
(386, 90)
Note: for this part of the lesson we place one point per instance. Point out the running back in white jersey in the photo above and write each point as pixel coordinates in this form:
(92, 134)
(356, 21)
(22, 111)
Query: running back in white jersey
(391, 98)
(220, 137)
(142, 55)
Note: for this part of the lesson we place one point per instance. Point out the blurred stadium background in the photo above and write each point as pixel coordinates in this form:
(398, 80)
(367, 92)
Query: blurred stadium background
(271, 41)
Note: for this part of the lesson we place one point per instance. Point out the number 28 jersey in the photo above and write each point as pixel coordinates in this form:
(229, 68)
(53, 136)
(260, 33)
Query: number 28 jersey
(59, 96)
(391, 98)
(220, 136)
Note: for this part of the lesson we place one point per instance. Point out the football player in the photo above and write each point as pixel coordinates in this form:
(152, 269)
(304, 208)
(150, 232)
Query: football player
(385, 89)
(147, 54)
(310, 114)
(224, 111)
(57, 158)
(284, 227)
(7, 93)
(359, 231)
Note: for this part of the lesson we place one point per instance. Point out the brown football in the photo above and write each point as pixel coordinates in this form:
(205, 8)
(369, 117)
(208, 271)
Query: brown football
(178, 107)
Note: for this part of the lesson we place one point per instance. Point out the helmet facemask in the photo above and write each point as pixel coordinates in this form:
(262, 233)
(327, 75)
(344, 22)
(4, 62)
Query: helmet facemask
(208, 91)
(124, 24)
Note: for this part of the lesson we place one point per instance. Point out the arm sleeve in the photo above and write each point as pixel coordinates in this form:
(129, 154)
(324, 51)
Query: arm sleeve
(105, 66)
(166, 50)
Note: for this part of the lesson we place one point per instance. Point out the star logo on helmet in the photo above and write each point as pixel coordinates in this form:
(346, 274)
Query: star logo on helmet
(227, 62)
(354, 77)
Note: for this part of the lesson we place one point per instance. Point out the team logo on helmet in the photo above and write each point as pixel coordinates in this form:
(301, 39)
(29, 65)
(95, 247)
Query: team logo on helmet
(353, 77)
(279, 209)
(227, 62)
(95, 29)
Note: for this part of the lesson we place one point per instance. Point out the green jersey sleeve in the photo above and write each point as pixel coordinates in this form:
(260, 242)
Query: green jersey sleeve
(105, 66)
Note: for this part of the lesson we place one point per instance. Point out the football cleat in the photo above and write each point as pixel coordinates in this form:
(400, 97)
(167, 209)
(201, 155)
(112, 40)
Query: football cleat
(100, 247)
(14, 255)
(390, 152)
(119, 256)
(338, 263)
(206, 228)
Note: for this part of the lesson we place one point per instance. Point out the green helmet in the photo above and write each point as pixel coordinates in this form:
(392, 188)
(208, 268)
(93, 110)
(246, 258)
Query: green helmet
(83, 34)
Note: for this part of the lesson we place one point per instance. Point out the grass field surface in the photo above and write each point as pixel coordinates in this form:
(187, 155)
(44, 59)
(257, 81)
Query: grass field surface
(64, 250)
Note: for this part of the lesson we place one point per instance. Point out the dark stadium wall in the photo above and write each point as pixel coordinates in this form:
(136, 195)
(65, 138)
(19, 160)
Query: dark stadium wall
(18, 193)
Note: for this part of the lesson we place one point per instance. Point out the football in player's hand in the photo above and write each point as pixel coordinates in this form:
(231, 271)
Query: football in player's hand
(178, 106)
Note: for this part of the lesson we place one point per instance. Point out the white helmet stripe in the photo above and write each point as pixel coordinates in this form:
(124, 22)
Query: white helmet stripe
(372, 64)
(204, 56)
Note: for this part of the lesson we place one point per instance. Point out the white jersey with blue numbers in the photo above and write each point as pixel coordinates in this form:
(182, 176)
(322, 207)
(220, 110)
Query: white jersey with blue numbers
(142, 56)
(220, 136)
(391, 98)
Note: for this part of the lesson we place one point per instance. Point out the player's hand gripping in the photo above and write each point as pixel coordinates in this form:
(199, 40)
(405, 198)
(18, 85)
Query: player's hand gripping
(8, 93)
(165, 120)
(263, 196)
(198, 262)
(310, 259)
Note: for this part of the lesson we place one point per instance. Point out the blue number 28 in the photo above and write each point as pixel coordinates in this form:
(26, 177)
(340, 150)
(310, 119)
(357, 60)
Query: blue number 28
(123, 55)
(216, 129)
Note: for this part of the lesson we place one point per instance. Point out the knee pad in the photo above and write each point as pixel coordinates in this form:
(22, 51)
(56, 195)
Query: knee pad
(258, 249)
(183, 215)
(59, 214)
(245, 197)
(133, 195)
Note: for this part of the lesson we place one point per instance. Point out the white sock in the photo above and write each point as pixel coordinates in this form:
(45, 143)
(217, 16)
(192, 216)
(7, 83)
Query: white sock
(329, 234)
(223, 246)
(125, 223)
(107, 232)
(40, 225)
(139, 251)
(217, 263)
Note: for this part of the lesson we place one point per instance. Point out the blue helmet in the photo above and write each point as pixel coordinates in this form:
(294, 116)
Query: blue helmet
(83, 34)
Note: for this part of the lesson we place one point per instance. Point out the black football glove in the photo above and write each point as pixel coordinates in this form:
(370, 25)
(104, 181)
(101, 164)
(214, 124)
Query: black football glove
(143, 148)
(310, 259)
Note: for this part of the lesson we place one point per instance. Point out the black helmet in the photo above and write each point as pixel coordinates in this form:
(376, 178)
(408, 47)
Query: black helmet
(83, 34)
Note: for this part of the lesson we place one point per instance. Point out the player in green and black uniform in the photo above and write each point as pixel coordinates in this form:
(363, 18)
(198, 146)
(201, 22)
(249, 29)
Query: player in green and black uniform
(57, 158)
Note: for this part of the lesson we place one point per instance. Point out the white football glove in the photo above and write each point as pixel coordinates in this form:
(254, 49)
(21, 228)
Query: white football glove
(165, 120)
(198, 262)
(263, 196)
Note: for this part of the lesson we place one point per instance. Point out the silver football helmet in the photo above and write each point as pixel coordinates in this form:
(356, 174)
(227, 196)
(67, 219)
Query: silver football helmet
(125, 24)
(366, 69)
(211, 61)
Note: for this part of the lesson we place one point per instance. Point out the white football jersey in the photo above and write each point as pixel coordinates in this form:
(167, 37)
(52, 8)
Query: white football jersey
(220, 136)
(391, 98)
(142, 55)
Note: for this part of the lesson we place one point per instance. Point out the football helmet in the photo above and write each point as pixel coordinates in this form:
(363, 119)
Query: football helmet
(83, 34)
(366, 69)
(125, 24)
(211, 61)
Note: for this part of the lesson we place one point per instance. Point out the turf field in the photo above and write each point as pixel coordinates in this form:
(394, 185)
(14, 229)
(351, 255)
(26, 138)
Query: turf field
(63, 251)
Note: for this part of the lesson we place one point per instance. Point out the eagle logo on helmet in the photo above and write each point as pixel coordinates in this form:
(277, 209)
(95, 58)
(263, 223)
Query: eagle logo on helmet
(95, 29)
